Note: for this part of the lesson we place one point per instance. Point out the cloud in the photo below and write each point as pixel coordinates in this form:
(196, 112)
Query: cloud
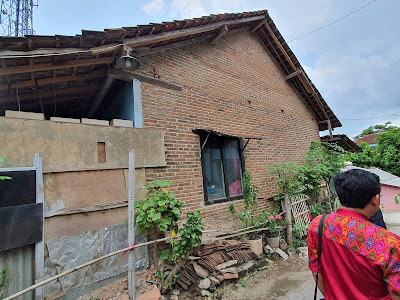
(154, 7)
(188, 8)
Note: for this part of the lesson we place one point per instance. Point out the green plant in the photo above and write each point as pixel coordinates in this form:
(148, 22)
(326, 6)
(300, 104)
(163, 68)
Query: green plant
(2, 280)
(397, 198)
(273, 222)
(316, 209)
(243, 282)
(190, 235)
(249, 214)
(4, 177)
(160, 208)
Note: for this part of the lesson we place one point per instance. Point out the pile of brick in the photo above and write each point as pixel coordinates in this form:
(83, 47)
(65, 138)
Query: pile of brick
(214, 262)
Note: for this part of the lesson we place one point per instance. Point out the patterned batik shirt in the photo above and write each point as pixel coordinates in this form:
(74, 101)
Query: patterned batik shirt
(359, 259)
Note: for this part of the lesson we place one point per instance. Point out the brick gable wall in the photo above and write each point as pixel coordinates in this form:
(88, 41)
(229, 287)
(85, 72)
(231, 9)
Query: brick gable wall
(232, 87)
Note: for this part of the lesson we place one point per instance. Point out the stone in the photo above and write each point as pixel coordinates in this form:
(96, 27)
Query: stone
(121, 123)
(204, 284)
(200, 271)
(226, 264)
(282, 254)
(303, 252)
(268, 249)
(214, 280)
(245, 268)
(163, 297)
(175, 292)
(95, 122)
(24, 115)
(123, 297)
(194, 257)
(205, 293)
(220, 277)
(154, 294)
(174, 297)
(65, 120)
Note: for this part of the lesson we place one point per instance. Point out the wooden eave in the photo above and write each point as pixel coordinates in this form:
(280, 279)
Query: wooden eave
(83, 61)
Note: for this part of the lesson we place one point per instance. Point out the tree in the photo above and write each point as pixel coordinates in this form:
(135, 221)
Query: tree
(386, 155)
(375, 129)
(388, 151)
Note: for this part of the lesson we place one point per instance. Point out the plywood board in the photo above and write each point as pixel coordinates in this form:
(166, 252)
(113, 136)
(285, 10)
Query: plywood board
(90, 188)
(140, 183)
(59, 226)
(73, 147)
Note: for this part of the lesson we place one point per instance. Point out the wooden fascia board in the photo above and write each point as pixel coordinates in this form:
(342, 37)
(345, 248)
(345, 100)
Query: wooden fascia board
(55, 66)
(143, 40)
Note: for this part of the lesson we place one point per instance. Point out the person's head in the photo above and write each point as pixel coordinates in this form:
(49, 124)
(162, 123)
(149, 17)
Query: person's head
(356, 188)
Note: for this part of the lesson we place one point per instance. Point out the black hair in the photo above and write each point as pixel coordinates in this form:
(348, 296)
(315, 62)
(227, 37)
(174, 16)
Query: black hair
(355, 188)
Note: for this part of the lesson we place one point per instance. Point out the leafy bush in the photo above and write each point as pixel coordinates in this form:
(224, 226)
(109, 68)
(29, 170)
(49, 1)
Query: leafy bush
(160, 208)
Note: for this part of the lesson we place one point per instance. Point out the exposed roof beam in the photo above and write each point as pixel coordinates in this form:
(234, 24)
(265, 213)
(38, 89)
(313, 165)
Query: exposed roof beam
(295, 73)
(56, 93)
(104, 89)
(59, 65)
(143, 40)
(221, 32)
(47, 81)
(127, 76)
(258, 25)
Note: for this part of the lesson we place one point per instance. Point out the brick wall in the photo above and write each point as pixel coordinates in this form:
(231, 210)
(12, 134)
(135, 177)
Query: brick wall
(233, 87)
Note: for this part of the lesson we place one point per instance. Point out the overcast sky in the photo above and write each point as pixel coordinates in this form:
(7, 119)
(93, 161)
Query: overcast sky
(354, 63)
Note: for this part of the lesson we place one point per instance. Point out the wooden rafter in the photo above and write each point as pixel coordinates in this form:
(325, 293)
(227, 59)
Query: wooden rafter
(48, 94)
(52, 66)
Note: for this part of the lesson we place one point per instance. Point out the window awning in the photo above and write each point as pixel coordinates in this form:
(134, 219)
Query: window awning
(209, 131)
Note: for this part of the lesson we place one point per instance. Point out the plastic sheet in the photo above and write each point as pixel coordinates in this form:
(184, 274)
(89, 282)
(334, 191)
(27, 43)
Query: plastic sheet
(72, 251)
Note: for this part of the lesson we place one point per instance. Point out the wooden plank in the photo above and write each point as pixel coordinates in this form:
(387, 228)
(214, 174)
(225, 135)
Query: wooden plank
(39, 247)
(78, 90)
(131, 224)
(295, 73)
(100, 207)
(221, 32)
(259, 24)
(128, 76)
(146, 39)
(52, 66)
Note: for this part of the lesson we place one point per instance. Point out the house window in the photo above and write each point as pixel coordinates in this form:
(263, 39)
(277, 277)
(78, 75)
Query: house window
(222, 162)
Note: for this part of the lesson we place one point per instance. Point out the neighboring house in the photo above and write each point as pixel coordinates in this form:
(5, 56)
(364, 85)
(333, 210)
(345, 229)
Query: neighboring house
(213, 96)
(370, 139)
(390, 187)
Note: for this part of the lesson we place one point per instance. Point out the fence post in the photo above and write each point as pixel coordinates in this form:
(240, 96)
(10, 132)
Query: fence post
(288, 208)
(39, 247)
(131, 225)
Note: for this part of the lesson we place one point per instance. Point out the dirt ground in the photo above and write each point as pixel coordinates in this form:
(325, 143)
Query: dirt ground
(290, 279)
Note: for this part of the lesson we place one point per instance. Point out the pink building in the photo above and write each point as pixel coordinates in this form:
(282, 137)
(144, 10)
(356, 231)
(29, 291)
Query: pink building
(390, 188)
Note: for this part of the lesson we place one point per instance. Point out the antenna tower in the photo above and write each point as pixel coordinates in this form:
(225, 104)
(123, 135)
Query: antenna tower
(16, 17)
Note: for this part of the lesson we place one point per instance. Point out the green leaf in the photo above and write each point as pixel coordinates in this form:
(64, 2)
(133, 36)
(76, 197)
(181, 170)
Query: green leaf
(156, 217)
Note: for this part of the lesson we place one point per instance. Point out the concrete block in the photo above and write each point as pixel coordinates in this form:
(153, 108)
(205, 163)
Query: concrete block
(95, 122)
(24, 115)
(65, 120)
(121, 123)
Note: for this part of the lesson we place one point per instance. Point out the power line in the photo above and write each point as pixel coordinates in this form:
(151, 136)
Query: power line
(359, 74)
(318, 29)
(395, 114)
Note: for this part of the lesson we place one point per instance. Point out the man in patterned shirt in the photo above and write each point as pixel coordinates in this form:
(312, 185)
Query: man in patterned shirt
(359, 259)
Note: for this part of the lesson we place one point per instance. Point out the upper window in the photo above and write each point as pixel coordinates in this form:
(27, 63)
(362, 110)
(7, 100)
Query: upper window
(222, 162)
